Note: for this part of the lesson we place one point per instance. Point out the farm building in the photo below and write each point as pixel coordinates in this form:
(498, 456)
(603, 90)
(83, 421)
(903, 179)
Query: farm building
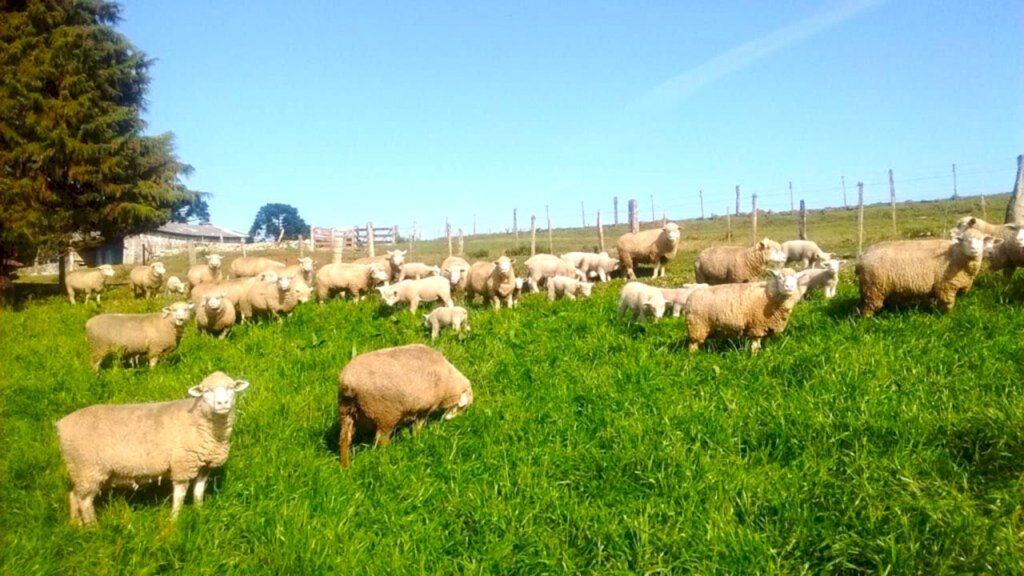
(169, 238)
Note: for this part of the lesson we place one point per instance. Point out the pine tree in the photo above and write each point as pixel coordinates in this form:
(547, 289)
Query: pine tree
(274, 221)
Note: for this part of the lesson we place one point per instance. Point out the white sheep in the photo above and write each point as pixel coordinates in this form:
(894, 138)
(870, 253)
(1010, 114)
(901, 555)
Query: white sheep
(128, 445)
(456, 270)
(429, 289)
(732, 264)
(641, 300)
(540, 267)
(1007, 255)
(215, 315)
(825, 279)
(174, 285)
(754, 310)
(655, 247)
(236, 289)
(391, 262)
(91, 281)
(354, 279)
(145, 281)
(249, 266)
(494, 281)
(209, 272)
(417, 270)
(675, 298)
(806, 252)
(568, 287)
(267, 298)
(304, 268)
(455, 316)
(151, 335)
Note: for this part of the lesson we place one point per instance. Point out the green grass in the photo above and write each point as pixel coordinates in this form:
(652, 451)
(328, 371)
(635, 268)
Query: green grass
(893, 444)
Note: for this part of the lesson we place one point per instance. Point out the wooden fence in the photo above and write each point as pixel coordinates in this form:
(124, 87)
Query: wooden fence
(350, 238)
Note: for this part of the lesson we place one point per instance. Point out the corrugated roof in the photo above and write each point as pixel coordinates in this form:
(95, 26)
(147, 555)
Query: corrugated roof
(204, 230)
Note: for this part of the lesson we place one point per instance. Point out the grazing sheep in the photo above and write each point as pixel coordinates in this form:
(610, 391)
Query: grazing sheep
(540, 267)
(921, 269)
(145, 281)
(249, 266)
(429, 289)
(493, 281)
(209, 272)
(676, 297)
(267, 298)
(455, 316)
(388, 387)
(127, 445)
(599, 266)
(302, 292)
(391, 262)
(90, 281)
(1007, 255)
(174, 285)
(417, 270)
(805, 252)
(734, 264)
(151, 335)
(235, 289)
(568, 287)
(825, 279)
(641, 300)
(655, 247)
(215, 315)
(456, 270)
(754, 310)
(355, 279)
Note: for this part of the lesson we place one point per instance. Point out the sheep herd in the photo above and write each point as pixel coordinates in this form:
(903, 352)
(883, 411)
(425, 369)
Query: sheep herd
(739, 291)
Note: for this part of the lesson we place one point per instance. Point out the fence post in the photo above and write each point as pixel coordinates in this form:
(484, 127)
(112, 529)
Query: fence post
(312, 239)
(615, 203)
(583, 214)
(803, 221)
(600, 232)
(634, 221)
(551, 246)
(791, 207)
(448, 234)
(753, 215)
(892, 201)
(243, 247)
(737, 200)
(843, 180)
(191, 253)
(462, 243)
(860, 218)
(653, 217)
(337, 248)
(394, 234)
(369, 236)
(515, 225)
(302, 246)
(955, 195)
(728, 224)
(702, 204)
(1015, 209)
(533, 234)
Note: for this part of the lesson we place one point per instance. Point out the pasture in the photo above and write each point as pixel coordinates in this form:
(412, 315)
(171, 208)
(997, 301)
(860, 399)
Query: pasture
(892, 444)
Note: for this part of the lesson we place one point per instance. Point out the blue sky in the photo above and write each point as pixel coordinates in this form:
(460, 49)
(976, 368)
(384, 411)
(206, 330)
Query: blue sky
(413, 112)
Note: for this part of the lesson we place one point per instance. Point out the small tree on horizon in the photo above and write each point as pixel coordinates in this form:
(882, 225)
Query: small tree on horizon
(273, 219)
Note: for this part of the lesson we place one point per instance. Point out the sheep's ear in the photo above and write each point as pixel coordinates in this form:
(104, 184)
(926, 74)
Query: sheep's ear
(195, 391)
(512, 261)
(166, 311)
(775, 273)
(955, 234)
(993, 241)
(240, 385)
(191, 305)
(972, 221)
(1012, 226)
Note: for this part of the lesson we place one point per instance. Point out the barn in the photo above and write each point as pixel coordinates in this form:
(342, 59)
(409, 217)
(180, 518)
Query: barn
(170, 238)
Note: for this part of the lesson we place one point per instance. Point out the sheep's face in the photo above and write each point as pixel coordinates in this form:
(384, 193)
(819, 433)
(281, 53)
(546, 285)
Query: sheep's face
(974, 244)
(107, 270)
(284, 283)
(504, 265)
(655, 308)
(377, 274)
(833, 265)
(671, 231)
(213, 261)
(389, 294)
(158, 268)
(306, 264)
(302, 291)
(519, 284)
(586, 288)
(785, 282)
(465, 399)
(178, 312)
(218, 391)
(174, 284)
(453, 274)
(213, 303)
(396, 257)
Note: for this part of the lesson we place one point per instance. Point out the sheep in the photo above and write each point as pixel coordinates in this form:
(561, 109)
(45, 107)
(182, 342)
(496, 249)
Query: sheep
(174, 285)
(735, 264)
(426, 289)
(1008, 255)
(826, 279)
(568, 287)
(355, 279)
(215, 315)
(235, 289)
(455, 316)
(921, 269)
(655, 247)
(302, 292)
(267, 298)
(540, 267)
(804, 251)
(517, 292)
(388, 387)
(304, 268)
(391, 262)
(754, 310)
(90, 281)
(126, 445)
(641, 300)
(209, 272)
(417, 270)
(249, 266)
(597, 266)
(145, 281)
(494, 281)
(151, 335)
(456, 269)
(676, 297)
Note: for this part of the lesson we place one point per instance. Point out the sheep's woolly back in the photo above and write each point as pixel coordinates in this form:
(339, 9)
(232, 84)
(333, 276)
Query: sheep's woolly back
(916, 268)
(755, 310)
(136, 334)
(734, 264)
(216, 321)
(648, 246)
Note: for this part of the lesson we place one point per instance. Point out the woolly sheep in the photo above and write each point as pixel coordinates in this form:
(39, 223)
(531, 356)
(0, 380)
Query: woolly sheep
(235, 289)
(429, 289)
(127, 445)
(540, 267)
(921, 269)
(805, 252)
(675, 298)
(825, 279)
(249, 266)
(267, 298)
(1007, 255)
(215, 315)
(388, 387)
(354, 279)
(391, 262)
(600, 266)
(151, 335)
(641, 300)
(455, 316)
(493, 281)
(655, 247)
(456, 270)
(417, 270)
(733, 264)
(517, 291)
(209, 272)
(568, 287)
(145, 281)
(754, 310)
(90, 281)
(174, 285)
(304, 268)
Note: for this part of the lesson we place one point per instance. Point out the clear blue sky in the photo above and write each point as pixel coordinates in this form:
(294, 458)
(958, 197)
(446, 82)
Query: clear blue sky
(403, 112)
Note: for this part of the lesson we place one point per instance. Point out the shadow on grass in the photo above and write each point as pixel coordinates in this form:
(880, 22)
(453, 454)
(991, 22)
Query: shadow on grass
(989, 455)
(159, 494)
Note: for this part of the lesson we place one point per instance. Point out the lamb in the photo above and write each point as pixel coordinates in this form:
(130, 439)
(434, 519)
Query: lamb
(517, 292)
(215, 315)
(494, 281)
(125, 445)
(455, 316)
(568, 287)
(597, 266)
(145, 281)
(456, 269)
(825, 279)
(174, 285)
(754, 310)
(249, 266)
(804, 251)
(355, 279)
(209, 272)
(90, 281)
(267, 298)
(540, 267)
(427, 289)
(641, 300)
(1007, 255)
(655, 247)
(735, 264)
(417, 270)
(676, 297)
(921, 269)
(388, 387)
(151, 335)
(390, 263)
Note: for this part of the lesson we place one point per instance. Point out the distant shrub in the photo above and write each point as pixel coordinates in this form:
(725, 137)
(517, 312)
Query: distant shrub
(481, 253)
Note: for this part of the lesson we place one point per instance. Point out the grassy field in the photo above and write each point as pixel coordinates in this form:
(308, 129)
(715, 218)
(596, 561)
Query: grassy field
(893, 444)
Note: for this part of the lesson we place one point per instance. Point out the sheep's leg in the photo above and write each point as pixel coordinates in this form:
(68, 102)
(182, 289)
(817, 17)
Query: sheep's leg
(414, 303)
(570, 295)
(74, 509)
(417, 425)
(86, 510)
(551, 291)
(199, 489)
(496, 302)
(434, 331)
(98, 297)
(694, 346)
(153, 360)
(755, 346)
(97, 359)
(383, 436)
(71, 295)
(178, 498)
(345, 435)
